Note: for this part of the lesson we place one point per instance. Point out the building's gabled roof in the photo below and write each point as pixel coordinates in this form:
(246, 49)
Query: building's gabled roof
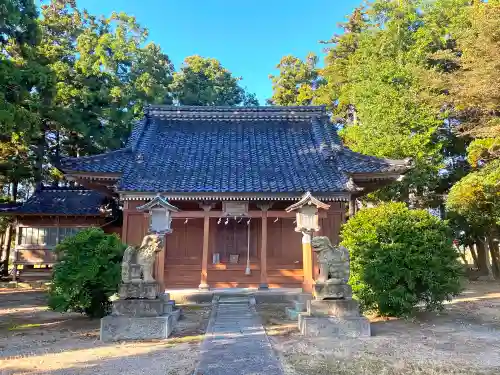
(59, 201)
(233, 150)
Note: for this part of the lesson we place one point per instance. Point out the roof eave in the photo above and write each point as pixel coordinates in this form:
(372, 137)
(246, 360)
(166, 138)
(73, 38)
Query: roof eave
(74, 175)
(214, 196)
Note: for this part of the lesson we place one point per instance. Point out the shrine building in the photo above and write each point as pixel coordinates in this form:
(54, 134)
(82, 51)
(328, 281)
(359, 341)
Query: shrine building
(231, 172)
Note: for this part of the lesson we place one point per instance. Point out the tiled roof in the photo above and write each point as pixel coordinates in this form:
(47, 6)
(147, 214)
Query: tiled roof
(234, 150)
(110, 162)
(50, 200)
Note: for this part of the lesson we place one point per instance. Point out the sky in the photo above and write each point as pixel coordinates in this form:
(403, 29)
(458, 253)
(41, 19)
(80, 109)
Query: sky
(248, 38)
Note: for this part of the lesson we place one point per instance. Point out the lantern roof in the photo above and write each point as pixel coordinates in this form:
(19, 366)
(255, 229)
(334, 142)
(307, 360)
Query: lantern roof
(307, 200)
(158, 201)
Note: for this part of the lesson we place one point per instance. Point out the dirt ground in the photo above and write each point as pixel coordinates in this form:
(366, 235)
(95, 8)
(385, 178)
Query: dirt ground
(35, 340)
(463, 339)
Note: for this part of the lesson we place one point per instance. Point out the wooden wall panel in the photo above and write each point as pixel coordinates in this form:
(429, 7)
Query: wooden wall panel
(185, 243)
(136, 228)
(330, 226)
(284, 244)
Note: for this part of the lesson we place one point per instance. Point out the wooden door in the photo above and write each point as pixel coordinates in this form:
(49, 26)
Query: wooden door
(232, 239)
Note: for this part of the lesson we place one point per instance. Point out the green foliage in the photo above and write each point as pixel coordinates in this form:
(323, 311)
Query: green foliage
(380, 94)
(105, 73)
(477, 196)
(393, 80)
(475, 89)
(87, 274)
(17, 20)
(400, 258)
(204, 81)
(483, 150)
(296, 82)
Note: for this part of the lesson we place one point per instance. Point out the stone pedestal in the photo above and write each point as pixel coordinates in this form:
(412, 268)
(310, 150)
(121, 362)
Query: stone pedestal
(331, 326)
(333, 313)
(115, 328)
(141, 313)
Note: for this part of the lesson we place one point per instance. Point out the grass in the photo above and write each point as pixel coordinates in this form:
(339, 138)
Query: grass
(305, 364)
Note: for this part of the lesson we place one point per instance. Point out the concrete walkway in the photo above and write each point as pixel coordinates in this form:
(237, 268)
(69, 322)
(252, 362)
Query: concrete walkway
(235, 342)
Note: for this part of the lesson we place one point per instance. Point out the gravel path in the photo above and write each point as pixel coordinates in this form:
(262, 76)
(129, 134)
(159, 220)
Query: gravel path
(236, 342)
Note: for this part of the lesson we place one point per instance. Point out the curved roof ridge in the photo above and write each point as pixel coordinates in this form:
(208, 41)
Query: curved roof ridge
(232, 109)
(97, 156)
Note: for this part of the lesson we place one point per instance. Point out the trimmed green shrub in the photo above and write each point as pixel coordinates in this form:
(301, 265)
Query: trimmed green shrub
(87, 274)
(401, 258)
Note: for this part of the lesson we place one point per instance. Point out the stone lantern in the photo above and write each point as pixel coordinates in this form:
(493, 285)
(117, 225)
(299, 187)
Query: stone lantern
(306, 210)
(160, 215)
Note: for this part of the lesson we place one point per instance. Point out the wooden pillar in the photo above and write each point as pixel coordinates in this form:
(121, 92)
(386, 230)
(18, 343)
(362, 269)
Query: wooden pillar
(206, 241)
(159, 269)
(352, 206)
(125, 221)
(16, 249)
(263, 251)
(307, 263)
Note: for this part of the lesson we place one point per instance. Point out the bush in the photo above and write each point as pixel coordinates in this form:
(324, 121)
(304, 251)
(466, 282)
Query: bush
(400, 258)
(87, 274)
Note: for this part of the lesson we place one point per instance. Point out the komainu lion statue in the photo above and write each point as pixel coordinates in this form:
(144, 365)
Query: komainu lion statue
(333, 261)
(145, 257)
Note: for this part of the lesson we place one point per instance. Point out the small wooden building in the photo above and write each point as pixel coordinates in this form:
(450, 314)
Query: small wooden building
(232, 172)
(51, 214)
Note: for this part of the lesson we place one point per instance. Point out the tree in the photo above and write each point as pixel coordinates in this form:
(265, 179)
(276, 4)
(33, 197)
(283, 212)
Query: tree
(475, 88)
(476, 197)
(296, 82)
(380, 82)
(204, 81)
(17, 21)
(474, 97)
(401, 258)
(104, 76)
(20, 76)
(87, 273)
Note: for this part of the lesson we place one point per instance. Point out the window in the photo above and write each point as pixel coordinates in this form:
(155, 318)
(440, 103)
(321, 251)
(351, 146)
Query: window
(45, 236)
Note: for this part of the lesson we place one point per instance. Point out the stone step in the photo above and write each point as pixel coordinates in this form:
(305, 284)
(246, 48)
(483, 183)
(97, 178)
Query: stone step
(300, 306)
(292, 314)
(223, 300)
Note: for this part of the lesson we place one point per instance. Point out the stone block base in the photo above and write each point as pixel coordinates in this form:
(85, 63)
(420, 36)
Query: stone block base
(139, 307)
(140, 289)
(336, 307)
(116, 328)
(331, 291)
(333, 326)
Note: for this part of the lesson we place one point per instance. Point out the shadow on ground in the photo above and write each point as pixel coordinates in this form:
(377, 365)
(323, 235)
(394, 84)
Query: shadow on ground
(36, 340)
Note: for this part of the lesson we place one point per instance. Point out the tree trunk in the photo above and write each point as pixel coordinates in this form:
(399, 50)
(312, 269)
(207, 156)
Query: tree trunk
(4, 267)
(495, 256)
(483, 259)
(39, 156)
(473, 255)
